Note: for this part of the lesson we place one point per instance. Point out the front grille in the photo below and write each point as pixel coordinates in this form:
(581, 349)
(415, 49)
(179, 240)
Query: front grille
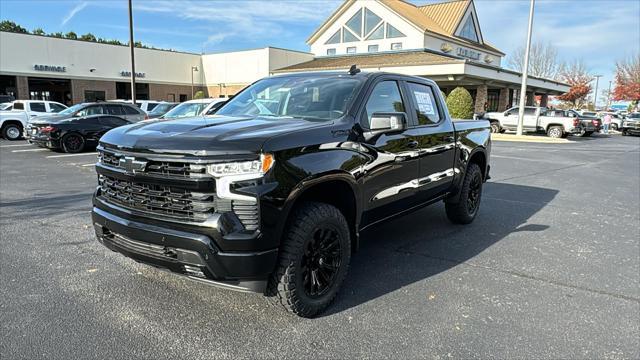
(170, 169)
(158, 199)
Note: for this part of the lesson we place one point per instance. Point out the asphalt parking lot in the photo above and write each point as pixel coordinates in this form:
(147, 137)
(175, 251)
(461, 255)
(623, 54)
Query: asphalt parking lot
(549, 269)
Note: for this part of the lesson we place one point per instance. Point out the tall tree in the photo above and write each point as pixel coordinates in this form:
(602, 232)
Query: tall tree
(578, 77)
(628, 80)
(543, 60)
(71, 35)
(38, 31)
(88, 37)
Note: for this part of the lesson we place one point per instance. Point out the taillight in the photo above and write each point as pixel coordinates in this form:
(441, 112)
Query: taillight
(146, 117)
(576, 122)
(47, 129)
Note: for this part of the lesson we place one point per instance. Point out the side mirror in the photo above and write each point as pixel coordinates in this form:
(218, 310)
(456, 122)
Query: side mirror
(388, 122)
(506, 113)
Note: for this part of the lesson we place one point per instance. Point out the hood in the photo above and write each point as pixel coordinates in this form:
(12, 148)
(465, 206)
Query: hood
(213, 135)
(49, 119)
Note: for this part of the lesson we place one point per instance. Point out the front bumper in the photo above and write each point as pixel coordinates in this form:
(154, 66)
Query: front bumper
(186, 253)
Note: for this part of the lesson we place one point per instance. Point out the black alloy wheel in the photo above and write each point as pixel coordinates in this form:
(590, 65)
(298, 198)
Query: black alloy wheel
(473, 195)
(463, 208)
(321, 261)
(313, 260)
(73, 143)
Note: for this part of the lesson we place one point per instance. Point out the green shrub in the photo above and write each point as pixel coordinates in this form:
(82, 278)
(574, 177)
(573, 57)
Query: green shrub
(199, 95)
(460, 104)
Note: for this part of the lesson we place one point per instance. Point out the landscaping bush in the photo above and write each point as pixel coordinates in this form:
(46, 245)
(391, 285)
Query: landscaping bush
(460, 104)
(199, 95)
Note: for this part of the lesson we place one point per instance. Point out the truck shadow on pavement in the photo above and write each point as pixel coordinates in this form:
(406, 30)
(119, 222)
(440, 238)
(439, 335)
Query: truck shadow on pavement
(45, 205)
(415, 247)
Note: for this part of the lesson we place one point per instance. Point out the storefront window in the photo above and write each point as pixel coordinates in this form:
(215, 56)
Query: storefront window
(93, 96)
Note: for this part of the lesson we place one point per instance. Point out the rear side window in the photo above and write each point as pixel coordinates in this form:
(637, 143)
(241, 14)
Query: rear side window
(150, 106)
(37, 106)
(385, 98)
(18, 106)
(529, 111)
(129, 110)
(56, 107)
(115, 110)
(426, 108)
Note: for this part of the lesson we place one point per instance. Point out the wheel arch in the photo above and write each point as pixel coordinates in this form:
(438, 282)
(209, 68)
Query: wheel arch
(336, 189)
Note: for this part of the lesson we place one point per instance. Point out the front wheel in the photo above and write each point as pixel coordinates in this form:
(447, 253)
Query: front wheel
(614, 127)
(495, 127)
(314, 258)
(624, 132)
(11, 131)
(73, 143)
(465, 209)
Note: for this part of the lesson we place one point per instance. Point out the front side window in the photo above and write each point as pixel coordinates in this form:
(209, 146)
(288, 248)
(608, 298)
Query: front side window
(90, 110)
(351, 50)
(185, 110)
(150, 106)
(426, 108)
(384, 98)
(307, 97)
(331, 52)
(37, 107)
(115, 110)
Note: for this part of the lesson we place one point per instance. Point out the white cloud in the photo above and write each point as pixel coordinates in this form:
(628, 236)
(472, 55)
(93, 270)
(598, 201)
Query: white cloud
(76, 9)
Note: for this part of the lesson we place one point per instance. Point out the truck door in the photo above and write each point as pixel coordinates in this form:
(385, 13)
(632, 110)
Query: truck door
(389, 177)
(530, 121)
(435, 134)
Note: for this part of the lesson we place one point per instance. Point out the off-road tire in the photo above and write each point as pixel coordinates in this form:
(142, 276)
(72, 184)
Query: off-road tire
(68, 147)
(458, 210)
(286, 285)
(556, 132)
(11, 131)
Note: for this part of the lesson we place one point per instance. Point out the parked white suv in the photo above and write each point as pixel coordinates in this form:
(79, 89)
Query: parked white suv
(13, 122)
(198, 107)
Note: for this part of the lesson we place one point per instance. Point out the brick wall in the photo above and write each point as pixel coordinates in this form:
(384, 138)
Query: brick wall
(165, 91)
(22, 88)
(503, 100)
(78, 88)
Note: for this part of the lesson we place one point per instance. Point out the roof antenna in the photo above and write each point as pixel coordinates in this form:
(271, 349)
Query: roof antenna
(354, 69)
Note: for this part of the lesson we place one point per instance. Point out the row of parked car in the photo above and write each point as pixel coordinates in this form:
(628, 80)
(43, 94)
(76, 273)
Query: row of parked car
(72, 129)
(559, 123)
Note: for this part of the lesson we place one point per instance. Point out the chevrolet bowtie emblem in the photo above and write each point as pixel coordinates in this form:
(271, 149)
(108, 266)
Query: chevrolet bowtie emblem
(131, 165)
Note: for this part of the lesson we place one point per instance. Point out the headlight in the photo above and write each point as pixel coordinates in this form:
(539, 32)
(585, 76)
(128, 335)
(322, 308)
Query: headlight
(255, 167)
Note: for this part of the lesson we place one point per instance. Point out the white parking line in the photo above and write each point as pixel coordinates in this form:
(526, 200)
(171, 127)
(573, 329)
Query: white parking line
(17, 145)
(86, 165)
(29, 150)
(69, 155)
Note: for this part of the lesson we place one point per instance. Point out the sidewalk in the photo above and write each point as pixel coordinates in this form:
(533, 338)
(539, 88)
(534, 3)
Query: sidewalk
(535, 138)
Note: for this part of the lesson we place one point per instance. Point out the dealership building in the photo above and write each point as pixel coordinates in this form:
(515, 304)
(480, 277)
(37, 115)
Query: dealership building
(441, 41)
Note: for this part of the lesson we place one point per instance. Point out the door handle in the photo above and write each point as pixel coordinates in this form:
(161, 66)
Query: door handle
(412, 144)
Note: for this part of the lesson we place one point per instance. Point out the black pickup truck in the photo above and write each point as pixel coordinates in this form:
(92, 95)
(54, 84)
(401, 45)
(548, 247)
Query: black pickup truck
(271, 193)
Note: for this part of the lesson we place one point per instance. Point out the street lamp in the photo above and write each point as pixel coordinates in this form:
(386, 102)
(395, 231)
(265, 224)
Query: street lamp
(193, 68)
(525, 71)
(595, 97)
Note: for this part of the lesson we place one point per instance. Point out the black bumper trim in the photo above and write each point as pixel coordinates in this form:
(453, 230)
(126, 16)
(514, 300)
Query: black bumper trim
(180, 252)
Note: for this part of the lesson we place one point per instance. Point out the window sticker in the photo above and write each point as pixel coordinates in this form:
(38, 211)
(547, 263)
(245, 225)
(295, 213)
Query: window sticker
(425, 105)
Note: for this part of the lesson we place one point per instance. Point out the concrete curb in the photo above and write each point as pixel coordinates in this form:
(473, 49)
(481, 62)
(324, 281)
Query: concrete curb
(529, 138)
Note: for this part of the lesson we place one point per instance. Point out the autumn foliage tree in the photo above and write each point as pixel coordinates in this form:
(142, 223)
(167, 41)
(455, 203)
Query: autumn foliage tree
(628, 80)
(577, 76)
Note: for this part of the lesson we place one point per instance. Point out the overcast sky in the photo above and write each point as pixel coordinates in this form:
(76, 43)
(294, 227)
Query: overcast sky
(598, 31)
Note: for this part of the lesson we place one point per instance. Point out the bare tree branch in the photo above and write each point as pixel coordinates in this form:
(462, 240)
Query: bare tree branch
(543, 60)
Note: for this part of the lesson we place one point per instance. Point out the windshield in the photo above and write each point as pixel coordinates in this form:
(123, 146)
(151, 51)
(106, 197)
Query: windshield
(185, 110)
(5, 106)
(310, 97)
(71, 110)
(161, 109)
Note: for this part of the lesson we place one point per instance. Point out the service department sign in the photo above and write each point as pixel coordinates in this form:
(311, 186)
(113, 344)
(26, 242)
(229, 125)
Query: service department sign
(125, 73)
(53, 68)
(468, 53)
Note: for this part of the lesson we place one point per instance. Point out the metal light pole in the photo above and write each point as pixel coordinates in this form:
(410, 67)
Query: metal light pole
(595, 96)
(193, 68)
(133, 63)
(608, 97)
(525, 70)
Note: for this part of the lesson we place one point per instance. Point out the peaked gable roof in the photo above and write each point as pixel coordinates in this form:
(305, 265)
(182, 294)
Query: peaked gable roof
(439, 18)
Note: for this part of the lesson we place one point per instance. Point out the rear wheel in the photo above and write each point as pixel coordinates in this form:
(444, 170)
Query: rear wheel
(555, 132)
(73, 143)
(465, 208)
(614, 127)
(314, 258)
(11, 131)
(624, 132)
